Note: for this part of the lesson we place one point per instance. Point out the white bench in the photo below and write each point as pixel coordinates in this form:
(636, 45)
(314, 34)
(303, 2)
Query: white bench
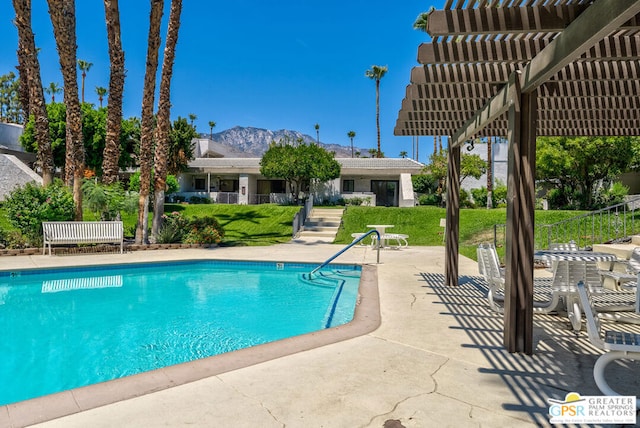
(82, 232)
(620, 345)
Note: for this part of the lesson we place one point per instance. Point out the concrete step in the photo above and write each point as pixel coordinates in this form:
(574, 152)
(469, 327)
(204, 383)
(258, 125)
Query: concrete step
(321, 223)
(321, 226)
(635, 240)
(320, 229)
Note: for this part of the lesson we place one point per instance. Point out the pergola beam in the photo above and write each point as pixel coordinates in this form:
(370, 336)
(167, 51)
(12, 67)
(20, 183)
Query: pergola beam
(519, 50)
(600, 19)
(498, 73)
(487, 20)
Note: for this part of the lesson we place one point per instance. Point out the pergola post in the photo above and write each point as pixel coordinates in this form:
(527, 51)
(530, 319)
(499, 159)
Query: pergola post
(452, 229)
(518, 313)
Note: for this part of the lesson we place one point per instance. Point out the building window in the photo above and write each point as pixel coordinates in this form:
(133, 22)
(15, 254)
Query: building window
(266, 187)
(200, 184)
(347, 185)
(229, 185)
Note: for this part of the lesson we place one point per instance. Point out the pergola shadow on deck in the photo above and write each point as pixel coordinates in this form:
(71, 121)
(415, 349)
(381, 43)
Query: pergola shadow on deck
(563, 363)
(521, 69)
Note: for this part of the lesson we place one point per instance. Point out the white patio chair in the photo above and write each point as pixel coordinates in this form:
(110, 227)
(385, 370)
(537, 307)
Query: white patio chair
(564, 246)
(489, 267)
(620, 345)
(622, 272)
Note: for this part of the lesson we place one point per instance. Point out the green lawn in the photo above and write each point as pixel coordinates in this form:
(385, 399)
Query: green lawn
(271, 224)
(246, 224)
(422, 224)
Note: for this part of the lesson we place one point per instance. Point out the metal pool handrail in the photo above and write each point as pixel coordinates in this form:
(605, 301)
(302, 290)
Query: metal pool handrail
(329, 260)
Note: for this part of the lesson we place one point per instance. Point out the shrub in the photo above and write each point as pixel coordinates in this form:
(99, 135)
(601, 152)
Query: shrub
(199, 200)
(465, 199)
(612, 196)
(106, 201)
(430, 199)
(357, 201)
(174, 227)
(15, 240)
(27, 207)
(424, 183)
(204, 230)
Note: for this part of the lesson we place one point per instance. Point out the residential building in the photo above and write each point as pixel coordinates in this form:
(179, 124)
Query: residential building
(377, 181)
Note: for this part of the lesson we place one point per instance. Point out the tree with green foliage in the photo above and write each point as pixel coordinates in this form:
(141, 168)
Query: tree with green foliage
(212, 125)
(575, 167)
(9, 102)
(93, 135)
(84, 66)
(472, 166)
(172, 183)
(180, 147)
(299, 166)
(376, 73)
(52, 90)
(101, 91)
(10, 106)
(351, 135)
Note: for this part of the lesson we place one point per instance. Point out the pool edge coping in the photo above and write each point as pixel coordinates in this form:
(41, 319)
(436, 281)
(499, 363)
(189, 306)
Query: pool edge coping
(366, 319)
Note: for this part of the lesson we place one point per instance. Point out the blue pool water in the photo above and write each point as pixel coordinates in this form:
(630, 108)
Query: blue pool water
(65, 328)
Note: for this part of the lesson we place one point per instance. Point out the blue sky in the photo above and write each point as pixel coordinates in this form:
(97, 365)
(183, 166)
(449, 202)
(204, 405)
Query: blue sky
(275, 65)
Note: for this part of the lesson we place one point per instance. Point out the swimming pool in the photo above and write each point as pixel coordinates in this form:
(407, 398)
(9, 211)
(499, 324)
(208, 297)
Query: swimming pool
(65, 328)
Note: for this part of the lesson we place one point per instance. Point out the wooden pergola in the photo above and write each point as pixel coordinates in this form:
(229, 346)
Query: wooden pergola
(519, 69)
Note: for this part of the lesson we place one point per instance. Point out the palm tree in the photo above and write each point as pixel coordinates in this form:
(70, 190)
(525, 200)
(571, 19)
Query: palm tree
(146, 131)
(351, 135)
(376, 73)
(192, 117)
(101, 92)
(317, 127)
(111, 152)
(403, 154)
(372, 152)
(63, 18)
(30, 77)
(52, 90)
(84, 67)
(164, 115)
(422, 20)
(212, 125)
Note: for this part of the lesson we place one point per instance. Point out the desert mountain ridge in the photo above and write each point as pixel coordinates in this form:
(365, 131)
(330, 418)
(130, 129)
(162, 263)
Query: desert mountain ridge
(252, 142)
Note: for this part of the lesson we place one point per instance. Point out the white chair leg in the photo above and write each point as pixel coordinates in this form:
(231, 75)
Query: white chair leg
(601, 365)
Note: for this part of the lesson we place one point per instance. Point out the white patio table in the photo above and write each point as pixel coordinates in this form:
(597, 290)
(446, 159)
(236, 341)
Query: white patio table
(569, 267)
(381, 228)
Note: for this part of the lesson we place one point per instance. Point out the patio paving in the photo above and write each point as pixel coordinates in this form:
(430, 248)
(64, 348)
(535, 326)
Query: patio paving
(435, 360)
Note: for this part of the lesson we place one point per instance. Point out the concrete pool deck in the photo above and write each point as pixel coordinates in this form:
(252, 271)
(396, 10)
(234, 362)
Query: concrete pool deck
(435, 359)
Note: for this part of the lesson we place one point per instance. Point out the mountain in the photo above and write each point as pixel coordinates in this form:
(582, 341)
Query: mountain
(253, 142)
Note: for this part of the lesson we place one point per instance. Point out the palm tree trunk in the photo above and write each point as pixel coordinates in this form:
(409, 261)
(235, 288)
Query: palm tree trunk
(111, 153)
(63, 18)
(146, 133)
(164, 113)
(30, 78)
(379, 154)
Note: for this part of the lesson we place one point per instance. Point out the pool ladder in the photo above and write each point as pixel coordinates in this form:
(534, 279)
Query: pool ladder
(356, 241)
